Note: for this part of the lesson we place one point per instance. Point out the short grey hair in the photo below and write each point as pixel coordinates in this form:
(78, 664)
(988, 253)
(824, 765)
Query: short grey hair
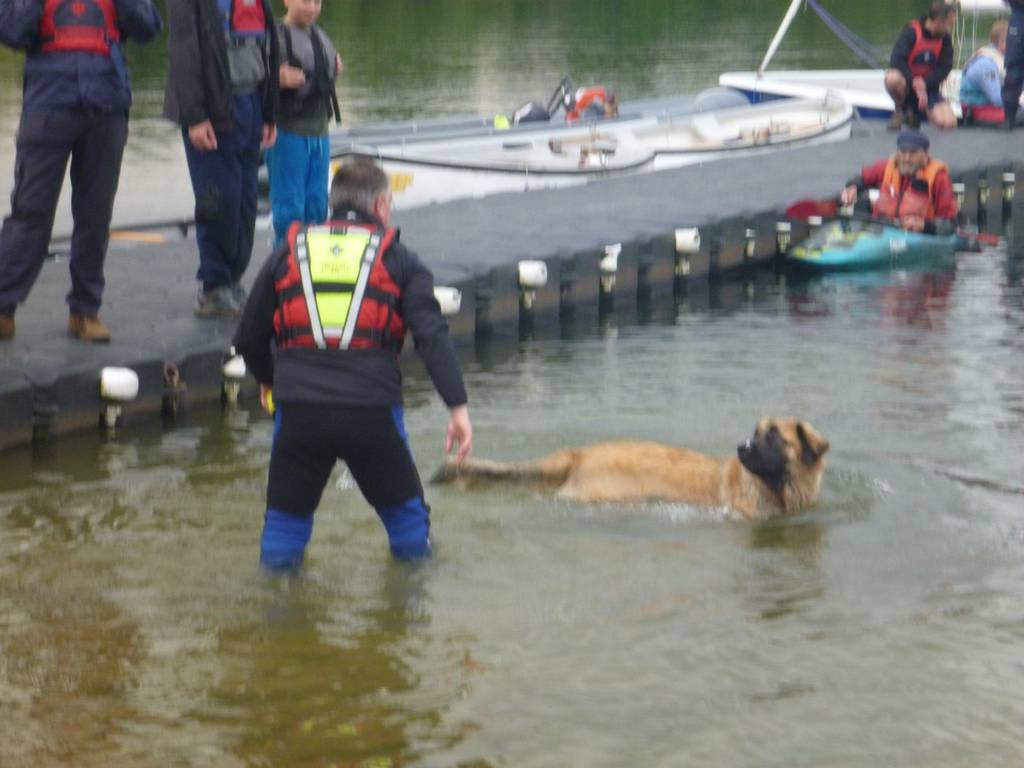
(357, 184)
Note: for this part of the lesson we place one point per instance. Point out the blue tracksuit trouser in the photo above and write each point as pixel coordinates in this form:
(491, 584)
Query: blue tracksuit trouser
(298, 166)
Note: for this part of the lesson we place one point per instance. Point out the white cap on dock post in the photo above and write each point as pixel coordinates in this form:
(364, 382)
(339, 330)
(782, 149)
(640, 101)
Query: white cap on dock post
(117, 386)
(609, 266)
(958, 193)
(687, 240)
(533, 274)
(783, 235)
(449, 298)
(234, 371)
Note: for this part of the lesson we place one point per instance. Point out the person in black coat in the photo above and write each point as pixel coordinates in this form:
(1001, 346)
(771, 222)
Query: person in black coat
(222, 89)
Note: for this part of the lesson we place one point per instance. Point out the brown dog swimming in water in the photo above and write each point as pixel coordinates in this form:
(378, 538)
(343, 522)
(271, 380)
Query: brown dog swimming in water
(776, 472)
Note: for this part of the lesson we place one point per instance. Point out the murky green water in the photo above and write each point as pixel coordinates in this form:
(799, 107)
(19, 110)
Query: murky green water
(882, 628)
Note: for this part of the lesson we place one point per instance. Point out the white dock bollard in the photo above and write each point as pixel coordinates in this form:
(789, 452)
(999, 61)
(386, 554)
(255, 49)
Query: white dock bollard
(609, 266)
(234, 372)
(449, 298)
(783, 235)
(117, 387)
(687, 243)
(533, 274)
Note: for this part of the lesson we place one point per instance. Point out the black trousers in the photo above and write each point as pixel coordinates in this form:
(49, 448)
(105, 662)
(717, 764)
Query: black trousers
(95, 143)
(371, 440)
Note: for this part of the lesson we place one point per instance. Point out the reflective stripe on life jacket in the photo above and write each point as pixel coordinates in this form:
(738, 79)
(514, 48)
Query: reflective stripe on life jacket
(896, 199)
(243, 18)
(585, 97)
(336, 292)
(85, 26)
(924, 56)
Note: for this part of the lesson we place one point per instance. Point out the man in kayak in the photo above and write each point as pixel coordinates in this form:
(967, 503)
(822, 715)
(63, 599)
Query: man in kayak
(913, 188)
(982, 82)
(921, 60)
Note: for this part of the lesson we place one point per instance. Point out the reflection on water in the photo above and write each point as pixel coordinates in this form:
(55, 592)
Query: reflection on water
(882, 628)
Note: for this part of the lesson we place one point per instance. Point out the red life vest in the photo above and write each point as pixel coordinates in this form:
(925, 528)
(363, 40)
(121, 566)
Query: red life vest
(83, 26)
(595, 94)
(377, 322)
(924, 56)
(896, 199)
(243, 18)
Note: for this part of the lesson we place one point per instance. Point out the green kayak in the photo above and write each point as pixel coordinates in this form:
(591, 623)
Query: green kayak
(860, 244)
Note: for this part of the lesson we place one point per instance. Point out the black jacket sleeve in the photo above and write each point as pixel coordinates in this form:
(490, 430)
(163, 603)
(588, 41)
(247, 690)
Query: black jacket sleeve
(429, 329)
(901, 52)
(185, 61)
(19, 22)
(138, 19)
(255, 332)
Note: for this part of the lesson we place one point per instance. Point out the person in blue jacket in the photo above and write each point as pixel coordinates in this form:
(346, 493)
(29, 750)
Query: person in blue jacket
(1014, 80)
(75, 102)
(981, 84)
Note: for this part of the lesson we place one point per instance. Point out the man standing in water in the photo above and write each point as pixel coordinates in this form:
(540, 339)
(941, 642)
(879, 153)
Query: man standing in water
(75, 104)
(335, 300)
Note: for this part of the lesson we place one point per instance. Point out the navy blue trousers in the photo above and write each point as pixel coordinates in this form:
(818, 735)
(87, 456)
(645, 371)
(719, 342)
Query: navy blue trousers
(95, 143)
(224, 182)
(1014, 81)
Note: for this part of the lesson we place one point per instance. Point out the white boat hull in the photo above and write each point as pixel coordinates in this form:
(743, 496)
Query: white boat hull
(432, 170)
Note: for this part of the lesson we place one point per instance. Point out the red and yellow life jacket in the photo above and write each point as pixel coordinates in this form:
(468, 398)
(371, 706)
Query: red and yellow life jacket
(896, 200)
(595, 94)
(82, 26)
(924, 56)
(243, 18)
(336, 292)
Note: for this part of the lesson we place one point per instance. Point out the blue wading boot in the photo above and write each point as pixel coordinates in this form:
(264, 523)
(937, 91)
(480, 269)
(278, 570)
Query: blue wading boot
(285, 536)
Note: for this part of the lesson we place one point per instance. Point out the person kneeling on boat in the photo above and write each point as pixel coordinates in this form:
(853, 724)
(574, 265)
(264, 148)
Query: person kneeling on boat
(981, 86)
(913, 188)
(921, 60)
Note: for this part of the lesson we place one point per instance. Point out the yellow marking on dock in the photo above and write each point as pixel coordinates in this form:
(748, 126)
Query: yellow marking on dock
(137, 237)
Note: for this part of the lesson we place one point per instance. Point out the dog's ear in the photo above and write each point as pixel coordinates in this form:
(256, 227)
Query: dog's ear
(813, 446)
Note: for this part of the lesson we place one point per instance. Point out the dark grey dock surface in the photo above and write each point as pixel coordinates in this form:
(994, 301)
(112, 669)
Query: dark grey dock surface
(49, 383)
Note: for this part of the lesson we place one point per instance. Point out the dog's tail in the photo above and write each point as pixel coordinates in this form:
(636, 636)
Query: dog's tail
(550, 471)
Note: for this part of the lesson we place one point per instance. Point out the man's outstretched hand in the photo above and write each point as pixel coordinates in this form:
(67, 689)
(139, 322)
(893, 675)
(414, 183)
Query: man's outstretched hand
(459, 432)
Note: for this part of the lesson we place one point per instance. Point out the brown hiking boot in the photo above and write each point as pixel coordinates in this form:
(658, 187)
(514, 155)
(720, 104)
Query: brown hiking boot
(87, 328)
(912, 118)
(6, 327)
(896, 121)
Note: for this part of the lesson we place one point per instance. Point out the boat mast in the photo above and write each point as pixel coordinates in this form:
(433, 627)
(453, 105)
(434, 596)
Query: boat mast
(777, 40)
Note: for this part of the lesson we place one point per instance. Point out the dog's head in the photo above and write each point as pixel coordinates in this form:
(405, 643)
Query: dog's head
(788, 456)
